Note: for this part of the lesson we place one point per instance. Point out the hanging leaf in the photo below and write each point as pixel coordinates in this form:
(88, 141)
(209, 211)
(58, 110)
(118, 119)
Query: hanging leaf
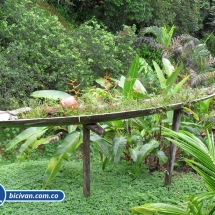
(100, 143)
(119, 143)
(31, 140)
(139, 154)
(161, 156)
(50, 94)
(27, 133)
(41, 141)
(68, 146)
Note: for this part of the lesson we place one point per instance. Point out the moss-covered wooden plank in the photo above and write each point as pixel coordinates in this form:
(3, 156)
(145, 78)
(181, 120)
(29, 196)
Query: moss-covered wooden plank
(96, 118)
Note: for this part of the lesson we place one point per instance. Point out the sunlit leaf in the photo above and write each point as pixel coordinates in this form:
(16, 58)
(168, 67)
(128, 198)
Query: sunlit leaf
(50, 94)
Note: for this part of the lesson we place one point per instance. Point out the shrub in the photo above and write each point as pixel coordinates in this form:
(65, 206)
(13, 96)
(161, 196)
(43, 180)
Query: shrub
(38, 52)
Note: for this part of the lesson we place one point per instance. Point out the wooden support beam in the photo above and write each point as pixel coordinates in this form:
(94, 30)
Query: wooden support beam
(173, 147)
(96, 128)
(86, 161)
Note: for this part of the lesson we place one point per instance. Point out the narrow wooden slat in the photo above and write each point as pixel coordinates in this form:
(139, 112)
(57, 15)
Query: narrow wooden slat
(173, 148)
(86, 161)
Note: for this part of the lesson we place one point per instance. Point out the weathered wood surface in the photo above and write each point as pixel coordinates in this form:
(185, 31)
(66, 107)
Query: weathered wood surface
(96, 118)
(172, 148)
(96, 128)
(86, 161)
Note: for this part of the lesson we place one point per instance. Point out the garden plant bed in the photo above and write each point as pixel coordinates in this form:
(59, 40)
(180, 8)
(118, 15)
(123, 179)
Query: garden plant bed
(128, 109)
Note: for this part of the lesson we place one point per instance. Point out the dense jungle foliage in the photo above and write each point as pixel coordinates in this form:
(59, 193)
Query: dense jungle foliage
(43, 44)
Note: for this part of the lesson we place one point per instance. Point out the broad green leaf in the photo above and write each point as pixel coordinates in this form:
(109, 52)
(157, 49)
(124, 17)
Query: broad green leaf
(139, 88)
(162, 157)
(105, 162)
(71, 128)
(31, 140)
(158, 208)
(50, 94)
(172, 79)
(71, 142)
(139, 155)
(169, 68)
(160, 75)
(100, 143)
(53, 168)
(131, 78)
(27, 133)
(179, 85)
(41, 141)
(119, 143)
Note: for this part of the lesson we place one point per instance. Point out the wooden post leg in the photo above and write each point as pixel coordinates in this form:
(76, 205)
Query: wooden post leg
(173, 148)
(86, 161)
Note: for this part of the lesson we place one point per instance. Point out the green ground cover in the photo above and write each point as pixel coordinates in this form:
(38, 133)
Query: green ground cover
(113, 191)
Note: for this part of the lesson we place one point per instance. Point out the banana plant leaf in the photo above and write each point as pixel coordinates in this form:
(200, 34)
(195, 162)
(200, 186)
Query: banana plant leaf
(139, 154)
(31, 140)
(100, 143)
(119, 143)
(24, 135)
(50, 94)
(71, 142)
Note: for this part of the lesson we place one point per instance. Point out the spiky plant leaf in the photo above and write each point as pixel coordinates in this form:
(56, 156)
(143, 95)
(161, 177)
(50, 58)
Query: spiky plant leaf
(131, 78)
(160, 75)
